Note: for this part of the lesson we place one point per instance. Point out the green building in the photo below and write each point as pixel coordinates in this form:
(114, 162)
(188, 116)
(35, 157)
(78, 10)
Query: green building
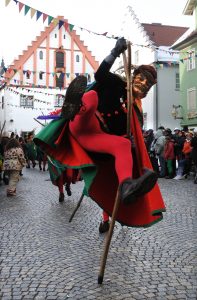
(187, 45)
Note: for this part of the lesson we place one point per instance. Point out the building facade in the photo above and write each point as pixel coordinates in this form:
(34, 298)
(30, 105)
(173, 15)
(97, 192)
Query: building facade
(187, 45)
(36, 82)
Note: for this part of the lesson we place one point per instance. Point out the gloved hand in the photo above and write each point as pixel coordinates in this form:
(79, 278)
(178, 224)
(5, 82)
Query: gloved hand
(120, 47)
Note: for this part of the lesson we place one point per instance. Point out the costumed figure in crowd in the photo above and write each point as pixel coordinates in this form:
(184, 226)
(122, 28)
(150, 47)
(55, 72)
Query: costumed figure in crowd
(14, 161)
(60, 175)
(78, 140)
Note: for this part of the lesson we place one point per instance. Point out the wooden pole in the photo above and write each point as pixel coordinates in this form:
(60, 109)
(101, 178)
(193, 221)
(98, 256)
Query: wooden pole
(108, 238)
(76, 208)
(117, 199)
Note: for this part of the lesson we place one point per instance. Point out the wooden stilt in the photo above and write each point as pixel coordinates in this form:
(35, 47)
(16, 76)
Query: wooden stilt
(76, 208)
(108, 238)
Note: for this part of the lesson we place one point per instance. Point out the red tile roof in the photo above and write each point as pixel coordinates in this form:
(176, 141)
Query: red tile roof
(163, 35)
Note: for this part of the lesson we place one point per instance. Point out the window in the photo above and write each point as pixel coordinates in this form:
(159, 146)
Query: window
(77, 58)
(136, 57)
(145, 121)
(177, 82)
(27, 75)
(89, 78)
(64, 36)
(41, 54)
(27, 101)
(60, 81)
(59, 59)
(59, 99)
(55, 35)
(191, 64)
(191, 100)
(41, 75)
(2, 102)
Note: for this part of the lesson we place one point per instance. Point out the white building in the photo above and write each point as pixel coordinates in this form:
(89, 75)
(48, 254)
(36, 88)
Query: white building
(37, 80)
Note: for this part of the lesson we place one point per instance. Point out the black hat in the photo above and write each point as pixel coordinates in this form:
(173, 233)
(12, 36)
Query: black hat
(74, 94)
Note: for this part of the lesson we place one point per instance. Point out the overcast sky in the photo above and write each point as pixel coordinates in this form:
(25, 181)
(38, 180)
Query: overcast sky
(18, 31)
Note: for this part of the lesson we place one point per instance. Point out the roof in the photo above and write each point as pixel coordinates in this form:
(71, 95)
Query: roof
(186, 41)
(163, 35)
(189, 7)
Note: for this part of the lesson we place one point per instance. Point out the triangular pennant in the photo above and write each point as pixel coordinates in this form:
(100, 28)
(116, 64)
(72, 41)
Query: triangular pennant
(61, 23)
(44, 17)
(38, 14)
(66, 25)
(33, 11)
(27, 8)
(50, 20)
(20, 5)
(16, 1)
(55, 21)
(71, 26)
(58, 74)
(7, 2)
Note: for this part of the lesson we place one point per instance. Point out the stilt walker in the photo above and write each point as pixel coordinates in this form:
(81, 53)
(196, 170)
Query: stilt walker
(79, 140)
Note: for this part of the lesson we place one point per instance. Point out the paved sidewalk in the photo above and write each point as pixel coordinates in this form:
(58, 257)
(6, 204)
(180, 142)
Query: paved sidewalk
(43, 256)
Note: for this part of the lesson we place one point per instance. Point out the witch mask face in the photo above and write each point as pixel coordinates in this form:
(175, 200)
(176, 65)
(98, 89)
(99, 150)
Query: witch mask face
(140, 86)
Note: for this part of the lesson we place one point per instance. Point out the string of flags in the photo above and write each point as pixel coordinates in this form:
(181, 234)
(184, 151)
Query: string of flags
(30, 107)
(32, 90)
(71, 27)
(23, 95)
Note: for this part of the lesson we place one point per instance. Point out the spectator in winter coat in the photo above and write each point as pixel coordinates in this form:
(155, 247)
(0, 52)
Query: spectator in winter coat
(169, 156)
(14, 161)
(31, 151)
(194, 153)
(187, 149)
(159, 144)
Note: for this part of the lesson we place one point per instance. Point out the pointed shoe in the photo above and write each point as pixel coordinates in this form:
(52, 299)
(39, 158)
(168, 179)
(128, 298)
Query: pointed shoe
(131, 189)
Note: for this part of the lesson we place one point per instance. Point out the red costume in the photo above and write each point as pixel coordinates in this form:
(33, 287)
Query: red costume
(86, 129)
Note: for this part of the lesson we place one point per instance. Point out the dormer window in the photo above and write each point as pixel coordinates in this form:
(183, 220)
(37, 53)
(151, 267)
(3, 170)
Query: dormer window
(41, 54)
(77, 58)
(41, 75)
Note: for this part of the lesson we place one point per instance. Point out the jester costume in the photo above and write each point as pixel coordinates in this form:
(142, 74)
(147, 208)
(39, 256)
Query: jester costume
(105, 159)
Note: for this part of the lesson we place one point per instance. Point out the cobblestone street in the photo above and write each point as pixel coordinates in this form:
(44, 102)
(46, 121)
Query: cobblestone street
(43, 256)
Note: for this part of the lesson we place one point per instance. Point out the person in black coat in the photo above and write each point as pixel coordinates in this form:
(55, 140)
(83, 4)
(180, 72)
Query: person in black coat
(194, 153)
(112, 92)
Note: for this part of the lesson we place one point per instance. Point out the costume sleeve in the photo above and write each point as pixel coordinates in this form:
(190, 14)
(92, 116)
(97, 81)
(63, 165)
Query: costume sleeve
(105, 77)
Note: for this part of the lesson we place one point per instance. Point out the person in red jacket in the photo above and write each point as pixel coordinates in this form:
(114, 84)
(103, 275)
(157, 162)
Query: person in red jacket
(169, 156)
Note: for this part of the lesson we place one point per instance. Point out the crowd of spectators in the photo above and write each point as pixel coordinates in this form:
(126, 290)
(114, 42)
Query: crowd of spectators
(173, 154)
(15, 153)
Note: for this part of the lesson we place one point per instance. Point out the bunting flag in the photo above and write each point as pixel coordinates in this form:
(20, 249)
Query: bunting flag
(20, 6)
(38, 14)
(33, 11)
(70, 27)
(27, 8)
(44, 17)
(7, 2)
(61, 23)
(50, 20)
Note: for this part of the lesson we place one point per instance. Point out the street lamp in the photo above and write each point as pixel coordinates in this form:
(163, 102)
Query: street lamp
(177, 111)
